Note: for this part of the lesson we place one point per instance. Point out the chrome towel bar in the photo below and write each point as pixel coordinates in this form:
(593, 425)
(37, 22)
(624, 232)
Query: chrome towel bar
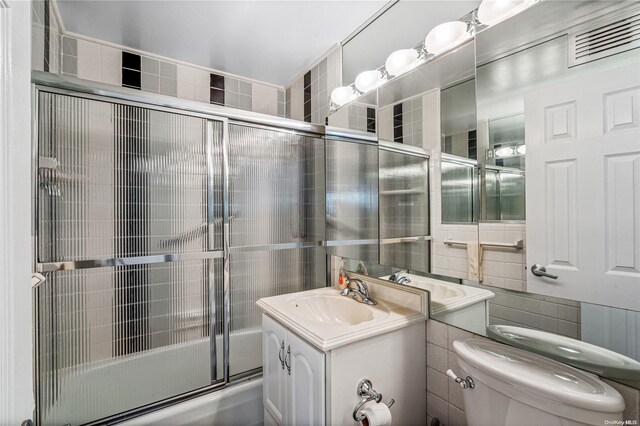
(518, 244)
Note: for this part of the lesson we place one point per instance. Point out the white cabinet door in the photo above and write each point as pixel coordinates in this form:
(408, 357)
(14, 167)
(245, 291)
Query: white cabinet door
(583, 188)
(306, 384)
(274, 371)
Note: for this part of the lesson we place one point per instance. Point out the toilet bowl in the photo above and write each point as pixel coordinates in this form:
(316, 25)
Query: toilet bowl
(513, 387)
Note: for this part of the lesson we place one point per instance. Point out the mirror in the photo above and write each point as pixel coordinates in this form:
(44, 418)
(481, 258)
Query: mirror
(369, 47)
(414, 119)
(481, 199)
(359, 115)
(522, 75)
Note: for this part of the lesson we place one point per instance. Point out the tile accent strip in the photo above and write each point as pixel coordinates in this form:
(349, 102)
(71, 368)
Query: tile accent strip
(473, 148)
(131, 74)
(371, 120)
(47, 34)
(216, 91)
(397, 123)
(307, 97)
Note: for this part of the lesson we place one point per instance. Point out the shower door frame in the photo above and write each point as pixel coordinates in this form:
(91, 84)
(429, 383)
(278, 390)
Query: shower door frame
(68, 86)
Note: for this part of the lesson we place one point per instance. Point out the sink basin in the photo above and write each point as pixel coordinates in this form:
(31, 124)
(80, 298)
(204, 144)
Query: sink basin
(331, 310)
(445, 296)
(328, 320)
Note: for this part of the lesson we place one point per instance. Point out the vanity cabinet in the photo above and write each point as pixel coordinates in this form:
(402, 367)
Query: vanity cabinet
(294, 378)
(319, 345)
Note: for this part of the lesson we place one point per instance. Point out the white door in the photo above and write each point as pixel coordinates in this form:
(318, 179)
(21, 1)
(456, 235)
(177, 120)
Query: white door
(583, 188)
(274, 370)
(306, 384)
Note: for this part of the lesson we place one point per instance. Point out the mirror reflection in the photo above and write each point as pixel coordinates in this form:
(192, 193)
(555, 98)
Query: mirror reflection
(504, 192)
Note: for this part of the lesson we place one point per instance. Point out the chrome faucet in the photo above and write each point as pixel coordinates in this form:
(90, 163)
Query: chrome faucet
(397, 278)
(360, 293)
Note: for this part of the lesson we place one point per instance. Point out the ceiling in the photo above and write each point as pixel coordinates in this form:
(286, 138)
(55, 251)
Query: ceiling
(271, 41)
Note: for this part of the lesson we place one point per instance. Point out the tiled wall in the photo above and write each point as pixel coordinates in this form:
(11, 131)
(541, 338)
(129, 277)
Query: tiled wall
(307, 97)
(102, 62)
(402, 122)
(504, 268)
(444, 396)
(45, 37)
(561, 316)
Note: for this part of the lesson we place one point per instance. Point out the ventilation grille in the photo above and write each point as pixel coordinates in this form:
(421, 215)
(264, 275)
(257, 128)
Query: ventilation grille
(590, 44)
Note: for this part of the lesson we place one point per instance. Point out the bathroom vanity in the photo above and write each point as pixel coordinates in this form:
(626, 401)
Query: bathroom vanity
(318, 346)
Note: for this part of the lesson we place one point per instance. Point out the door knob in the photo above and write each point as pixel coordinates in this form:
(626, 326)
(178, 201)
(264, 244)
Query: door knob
(540, 271)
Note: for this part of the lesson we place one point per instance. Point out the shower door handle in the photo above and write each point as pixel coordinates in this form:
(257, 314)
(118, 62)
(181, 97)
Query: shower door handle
(540, 271)
(281, 354)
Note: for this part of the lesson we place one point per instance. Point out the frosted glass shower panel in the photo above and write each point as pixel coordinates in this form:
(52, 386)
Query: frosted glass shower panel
(352, 199)
(276, 187)
(404, 210)
(276, 203)
(459, 191)
(258, 274)
(126, 240)
(107, 335)
(404, 197)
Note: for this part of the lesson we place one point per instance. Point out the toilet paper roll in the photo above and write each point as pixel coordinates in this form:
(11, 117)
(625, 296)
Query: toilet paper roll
(375, 414)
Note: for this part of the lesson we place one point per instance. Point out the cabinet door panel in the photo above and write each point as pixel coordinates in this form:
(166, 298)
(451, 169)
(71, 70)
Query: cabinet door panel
(306, 384)
(274, 375)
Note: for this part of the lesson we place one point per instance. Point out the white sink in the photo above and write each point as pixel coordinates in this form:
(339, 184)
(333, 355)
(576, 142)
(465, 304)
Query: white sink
(335, 309)
(445, 296)
(328, 320)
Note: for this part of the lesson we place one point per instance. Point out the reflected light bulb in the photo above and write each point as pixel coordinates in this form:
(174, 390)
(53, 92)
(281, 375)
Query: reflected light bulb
(493, 11)
(446, 36)
(369, 80)
(343, 95)
(402, 61)
(507, 151)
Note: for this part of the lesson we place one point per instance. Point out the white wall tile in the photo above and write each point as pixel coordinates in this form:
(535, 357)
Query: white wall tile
(89, 60)
(111, 65)
(186, 82)
(264, 99)
(297, 98)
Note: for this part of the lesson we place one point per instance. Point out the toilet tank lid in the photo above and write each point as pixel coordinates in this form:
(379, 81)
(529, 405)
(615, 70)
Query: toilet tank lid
(541, 375)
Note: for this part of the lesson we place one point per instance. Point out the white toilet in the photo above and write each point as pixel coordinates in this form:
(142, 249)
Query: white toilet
(513, 387)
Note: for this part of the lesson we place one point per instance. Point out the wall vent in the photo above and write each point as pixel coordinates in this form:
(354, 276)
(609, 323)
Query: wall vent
(605, 38)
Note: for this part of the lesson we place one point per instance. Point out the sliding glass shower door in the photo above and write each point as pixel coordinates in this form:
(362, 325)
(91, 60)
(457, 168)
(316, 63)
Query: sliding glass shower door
(157, 230)
(132, 304)
(276, 202)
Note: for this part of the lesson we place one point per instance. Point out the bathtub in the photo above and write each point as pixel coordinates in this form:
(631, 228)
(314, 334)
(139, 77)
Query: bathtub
(239, 404)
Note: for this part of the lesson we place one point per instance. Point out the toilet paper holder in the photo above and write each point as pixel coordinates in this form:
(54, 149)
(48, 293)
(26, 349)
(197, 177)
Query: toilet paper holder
(367, 393)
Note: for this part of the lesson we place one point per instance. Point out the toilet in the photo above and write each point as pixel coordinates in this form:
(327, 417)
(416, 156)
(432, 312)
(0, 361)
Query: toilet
(513, 387)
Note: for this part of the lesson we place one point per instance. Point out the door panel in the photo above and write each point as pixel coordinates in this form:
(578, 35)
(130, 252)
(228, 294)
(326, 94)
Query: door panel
(274, 372)
(306, 384)
(583, 188)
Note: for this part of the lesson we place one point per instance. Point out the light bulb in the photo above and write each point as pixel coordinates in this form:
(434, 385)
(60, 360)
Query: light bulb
(343, 95)
(446, 36)
(493, 11)
(369, 80)
(402, 61)
(507, 151)
(522, 149)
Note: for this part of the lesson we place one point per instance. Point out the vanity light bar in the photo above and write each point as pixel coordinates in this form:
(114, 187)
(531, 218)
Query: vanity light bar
(441, 40)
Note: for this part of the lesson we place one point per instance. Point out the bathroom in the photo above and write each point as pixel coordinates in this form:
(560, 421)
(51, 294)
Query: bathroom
(320, 212)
